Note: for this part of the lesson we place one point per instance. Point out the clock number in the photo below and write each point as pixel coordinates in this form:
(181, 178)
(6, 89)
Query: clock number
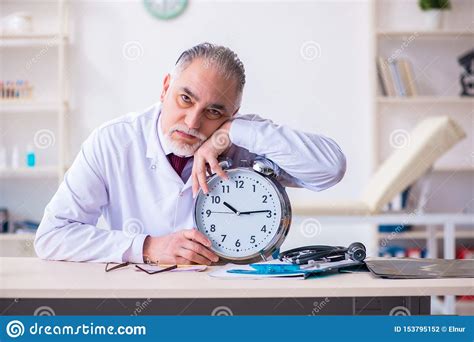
(223, 237)
(254, 187)
(215, 199)
(252, 239)
(237, 243)
(213, 228)
(269, 214)
(239, 184)
(208, 212)
(225, 188)
(264, 199)
(264, 228)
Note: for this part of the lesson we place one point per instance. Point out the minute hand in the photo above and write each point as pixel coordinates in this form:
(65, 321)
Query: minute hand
(255, 211)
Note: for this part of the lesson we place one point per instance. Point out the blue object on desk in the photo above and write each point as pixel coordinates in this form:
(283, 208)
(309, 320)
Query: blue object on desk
(276, 267)
(270, 269)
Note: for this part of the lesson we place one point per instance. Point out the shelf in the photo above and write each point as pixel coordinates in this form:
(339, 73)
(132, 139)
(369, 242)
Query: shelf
(33, 39)
(426, 100)
(30, 36)
(448, 168)
(16, 236)
(34, 172)
(422, 234)
(29, 106)
(421, 33)
(445, 168)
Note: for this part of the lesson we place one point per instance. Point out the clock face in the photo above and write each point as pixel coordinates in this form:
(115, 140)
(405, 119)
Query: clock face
(241, 216)
(166, 9)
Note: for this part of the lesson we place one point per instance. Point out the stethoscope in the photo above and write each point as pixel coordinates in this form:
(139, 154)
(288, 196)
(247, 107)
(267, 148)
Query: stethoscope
(320, 253)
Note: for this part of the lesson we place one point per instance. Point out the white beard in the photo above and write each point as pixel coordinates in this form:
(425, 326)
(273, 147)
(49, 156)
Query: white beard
(180, 148)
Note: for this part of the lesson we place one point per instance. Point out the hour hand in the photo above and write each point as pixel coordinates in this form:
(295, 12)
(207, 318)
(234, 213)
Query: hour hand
(232, 208)
(255, 211)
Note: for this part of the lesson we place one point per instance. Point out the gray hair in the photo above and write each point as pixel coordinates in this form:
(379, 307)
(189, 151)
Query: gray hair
(221, 57)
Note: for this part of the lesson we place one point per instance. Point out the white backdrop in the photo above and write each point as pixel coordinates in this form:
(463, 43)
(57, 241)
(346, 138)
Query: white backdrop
(328, 94)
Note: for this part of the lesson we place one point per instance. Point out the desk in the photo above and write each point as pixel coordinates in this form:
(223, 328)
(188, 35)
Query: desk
(68, 288)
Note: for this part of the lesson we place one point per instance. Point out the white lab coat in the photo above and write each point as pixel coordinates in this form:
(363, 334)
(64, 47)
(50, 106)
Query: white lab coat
(123, 174)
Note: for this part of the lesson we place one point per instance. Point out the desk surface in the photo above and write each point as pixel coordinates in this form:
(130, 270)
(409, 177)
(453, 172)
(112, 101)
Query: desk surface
(35, 278)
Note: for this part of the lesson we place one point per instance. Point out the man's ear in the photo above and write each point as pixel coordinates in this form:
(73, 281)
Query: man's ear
(166, 85)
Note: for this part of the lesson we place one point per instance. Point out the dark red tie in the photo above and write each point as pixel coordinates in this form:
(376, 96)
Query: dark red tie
(178, 163)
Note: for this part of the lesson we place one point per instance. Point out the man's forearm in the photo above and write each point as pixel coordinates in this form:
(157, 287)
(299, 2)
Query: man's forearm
(313, 161)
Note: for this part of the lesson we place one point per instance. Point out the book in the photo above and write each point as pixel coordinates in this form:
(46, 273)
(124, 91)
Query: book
(399, 87)
(408, 77)
(385, 77)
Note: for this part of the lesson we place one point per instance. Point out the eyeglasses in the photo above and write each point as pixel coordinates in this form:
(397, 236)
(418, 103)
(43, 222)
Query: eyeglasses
(125, 264)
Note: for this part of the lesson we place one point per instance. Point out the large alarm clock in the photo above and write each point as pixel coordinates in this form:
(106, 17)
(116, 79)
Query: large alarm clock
(246, 217)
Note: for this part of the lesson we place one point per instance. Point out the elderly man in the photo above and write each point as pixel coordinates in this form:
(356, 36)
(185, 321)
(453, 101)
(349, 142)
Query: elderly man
(142, 171)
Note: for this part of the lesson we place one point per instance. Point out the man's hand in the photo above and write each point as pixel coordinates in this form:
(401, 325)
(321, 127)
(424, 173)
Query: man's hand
(208, 152)
(185, 247)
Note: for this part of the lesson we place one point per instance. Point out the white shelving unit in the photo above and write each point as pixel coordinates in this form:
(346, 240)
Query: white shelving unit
(423, 100)
(33, 39)
(425, 34)
(405, 108)
(55, 40)
(38, 172)
(422, 235)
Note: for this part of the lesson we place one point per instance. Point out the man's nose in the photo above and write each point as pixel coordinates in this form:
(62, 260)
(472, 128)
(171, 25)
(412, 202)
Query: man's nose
(193, 119)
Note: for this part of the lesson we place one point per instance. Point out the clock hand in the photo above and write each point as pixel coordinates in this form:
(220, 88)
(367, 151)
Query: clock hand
(231, 208)
(221, 212)
(255, 211)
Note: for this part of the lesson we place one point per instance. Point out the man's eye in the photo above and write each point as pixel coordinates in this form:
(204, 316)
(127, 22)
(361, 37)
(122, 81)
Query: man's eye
(214, 112)
(185, 98)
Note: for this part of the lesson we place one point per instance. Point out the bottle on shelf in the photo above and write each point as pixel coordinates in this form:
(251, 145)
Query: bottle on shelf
(30, 156)
(3, 158)
(16, 90)
(15, 158)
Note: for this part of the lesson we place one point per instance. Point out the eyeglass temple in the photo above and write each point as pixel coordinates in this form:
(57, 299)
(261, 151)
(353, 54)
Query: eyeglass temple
(107, 269)
(158, 271)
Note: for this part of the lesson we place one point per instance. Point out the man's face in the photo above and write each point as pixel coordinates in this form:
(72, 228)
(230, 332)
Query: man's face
(194, 104)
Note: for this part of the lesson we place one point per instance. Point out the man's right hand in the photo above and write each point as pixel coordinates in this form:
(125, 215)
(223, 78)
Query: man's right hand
(184, 247)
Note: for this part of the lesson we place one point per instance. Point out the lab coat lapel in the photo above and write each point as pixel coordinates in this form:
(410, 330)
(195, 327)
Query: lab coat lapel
(155, 150)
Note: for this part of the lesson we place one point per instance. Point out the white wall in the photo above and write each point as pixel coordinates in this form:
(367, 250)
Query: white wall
(330, 94)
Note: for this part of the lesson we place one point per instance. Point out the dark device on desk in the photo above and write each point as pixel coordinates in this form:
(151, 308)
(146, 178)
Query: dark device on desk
(467, 77)
(321, 253)
(413, 268)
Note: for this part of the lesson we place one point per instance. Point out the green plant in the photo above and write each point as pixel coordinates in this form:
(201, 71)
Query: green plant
(426, 5)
